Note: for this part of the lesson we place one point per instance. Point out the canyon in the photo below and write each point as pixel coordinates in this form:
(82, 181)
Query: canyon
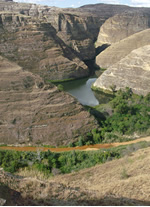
(40, 44)
(41, 47)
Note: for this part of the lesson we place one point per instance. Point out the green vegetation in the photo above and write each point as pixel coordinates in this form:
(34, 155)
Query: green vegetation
(119, 119)
(60, 87)
(124, 174)
(131, 114)
(59, 81)
(125, 115)
(50, 163)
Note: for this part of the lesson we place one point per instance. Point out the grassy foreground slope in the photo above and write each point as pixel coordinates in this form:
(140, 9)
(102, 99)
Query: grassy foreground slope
(119, 182)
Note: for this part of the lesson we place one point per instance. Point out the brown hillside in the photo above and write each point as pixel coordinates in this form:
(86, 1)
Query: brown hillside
(33, 112)
(119, 182)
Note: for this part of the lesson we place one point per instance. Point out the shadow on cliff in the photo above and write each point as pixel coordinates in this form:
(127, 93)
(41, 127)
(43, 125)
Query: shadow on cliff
(101, 48)
(13, 198)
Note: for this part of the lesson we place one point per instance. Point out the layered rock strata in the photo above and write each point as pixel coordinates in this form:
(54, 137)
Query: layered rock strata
(121, 26)
(50, 41)
(133, 71)
(35, 46)
(46, 40)
(119, 50)
(35, 113)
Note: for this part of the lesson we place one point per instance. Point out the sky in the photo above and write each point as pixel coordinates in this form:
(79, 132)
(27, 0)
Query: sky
(78, 3)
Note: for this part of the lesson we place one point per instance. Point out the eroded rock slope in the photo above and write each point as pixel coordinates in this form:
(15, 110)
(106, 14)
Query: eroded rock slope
(46, 40)
(35, 46)
(119, 50)
(123, 25)
(50, 41)
(133, 71)
(35, 113)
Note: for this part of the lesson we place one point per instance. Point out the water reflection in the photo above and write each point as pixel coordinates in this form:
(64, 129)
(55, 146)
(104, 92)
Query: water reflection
(81, 89)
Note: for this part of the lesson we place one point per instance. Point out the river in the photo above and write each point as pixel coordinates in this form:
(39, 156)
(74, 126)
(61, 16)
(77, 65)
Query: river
(81, 89)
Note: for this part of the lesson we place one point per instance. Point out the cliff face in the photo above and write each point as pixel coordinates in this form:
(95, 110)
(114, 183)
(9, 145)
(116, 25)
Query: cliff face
(32, 112)
(128, 35)
(35, 46)
(45, 40)
(119, 50)
(133, 71)
(122, 25)
(50, 41)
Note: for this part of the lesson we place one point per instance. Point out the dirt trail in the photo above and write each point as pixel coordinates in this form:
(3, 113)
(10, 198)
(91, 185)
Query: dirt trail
(83, 148)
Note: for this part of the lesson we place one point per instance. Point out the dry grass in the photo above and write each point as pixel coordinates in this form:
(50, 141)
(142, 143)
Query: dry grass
(33, 173)
(106, 179)
(119, 182)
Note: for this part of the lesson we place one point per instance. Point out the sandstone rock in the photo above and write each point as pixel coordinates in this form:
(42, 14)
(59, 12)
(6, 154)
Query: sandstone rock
(119, 50)
(46, 40)
(36, 47)
(35, 113)
(2, 202)
(121, 26)
(50, 41)
(133, 71)
(76, 32)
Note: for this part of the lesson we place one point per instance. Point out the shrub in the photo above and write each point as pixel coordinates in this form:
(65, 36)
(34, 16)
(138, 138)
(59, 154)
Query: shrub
(124, 174)
(60, 87)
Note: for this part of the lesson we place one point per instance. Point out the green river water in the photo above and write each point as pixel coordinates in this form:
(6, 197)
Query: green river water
(81, 89)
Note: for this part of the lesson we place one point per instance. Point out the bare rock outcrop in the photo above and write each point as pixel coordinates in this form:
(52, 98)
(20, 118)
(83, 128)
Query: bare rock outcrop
(35, 113)
(2, 202)
(50, 41)
(119, 50)
(133, 71)
(35, 46)
(121, 26)
(47, 41)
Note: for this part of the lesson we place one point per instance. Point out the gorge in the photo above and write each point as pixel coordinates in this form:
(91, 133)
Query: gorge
(41, 44)
(74, 105)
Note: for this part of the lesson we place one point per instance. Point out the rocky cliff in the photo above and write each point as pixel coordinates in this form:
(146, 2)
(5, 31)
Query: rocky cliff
(123, 25)
(45, 40)
(47, 43)
(133, 71)
(50, 41)
(119, 50)
(35, 113)
(35, 46)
